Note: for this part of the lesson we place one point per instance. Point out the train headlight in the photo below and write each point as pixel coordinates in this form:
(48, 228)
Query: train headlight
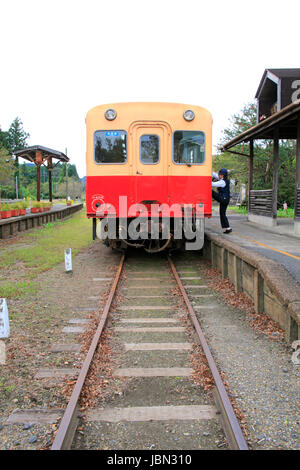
(110, 114)
(189, 115)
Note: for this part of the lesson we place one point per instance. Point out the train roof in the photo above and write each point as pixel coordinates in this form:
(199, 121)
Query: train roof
(149, 105)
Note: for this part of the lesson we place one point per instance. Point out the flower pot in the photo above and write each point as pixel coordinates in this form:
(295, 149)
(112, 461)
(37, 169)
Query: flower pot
(6, 214)
(14, 212)
(35, 210)
(69, 203)
(22, 211)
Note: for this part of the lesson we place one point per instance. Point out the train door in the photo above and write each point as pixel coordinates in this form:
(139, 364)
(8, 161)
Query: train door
(150, 142)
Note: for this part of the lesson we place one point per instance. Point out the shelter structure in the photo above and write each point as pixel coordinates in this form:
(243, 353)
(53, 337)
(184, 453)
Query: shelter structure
(277, 89)
(274, 123)
(40, 156)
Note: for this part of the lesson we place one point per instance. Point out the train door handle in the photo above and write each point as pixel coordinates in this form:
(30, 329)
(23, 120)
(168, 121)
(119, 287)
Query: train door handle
(139, 173)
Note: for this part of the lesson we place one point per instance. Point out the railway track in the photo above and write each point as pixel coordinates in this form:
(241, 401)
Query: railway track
(149, 324)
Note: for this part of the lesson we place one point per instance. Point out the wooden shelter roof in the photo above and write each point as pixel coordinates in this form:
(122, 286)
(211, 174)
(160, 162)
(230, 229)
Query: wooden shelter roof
(29, 153)
(285, 122)
(276, 75)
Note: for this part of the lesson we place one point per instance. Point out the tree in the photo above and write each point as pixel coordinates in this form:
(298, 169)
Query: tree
(263, 157)
(263, 149)
(72, 172)
(4, 140)
(75, 189)
(240, 122)
(17, 137)
(6, 168)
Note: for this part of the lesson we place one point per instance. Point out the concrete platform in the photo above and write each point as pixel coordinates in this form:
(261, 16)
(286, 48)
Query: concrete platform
(278, 243)
(14, 225)
(262, 262)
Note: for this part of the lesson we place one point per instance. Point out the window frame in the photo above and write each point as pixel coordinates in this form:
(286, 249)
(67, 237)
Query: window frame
(173, 147)
(159, 153)
(110, 163)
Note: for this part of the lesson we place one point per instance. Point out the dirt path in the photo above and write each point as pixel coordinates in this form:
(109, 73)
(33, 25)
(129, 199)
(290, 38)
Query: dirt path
(37, 321)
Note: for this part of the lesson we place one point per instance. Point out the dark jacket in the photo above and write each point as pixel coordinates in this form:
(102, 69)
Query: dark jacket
(225, 192)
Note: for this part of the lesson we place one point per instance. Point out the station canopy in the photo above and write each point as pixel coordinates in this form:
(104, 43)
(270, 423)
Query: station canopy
(33, 154)
(40, 156)
(284, 122)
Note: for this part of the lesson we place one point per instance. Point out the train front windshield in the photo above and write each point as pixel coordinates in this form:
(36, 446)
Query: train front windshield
(110, 146)
(189, 147)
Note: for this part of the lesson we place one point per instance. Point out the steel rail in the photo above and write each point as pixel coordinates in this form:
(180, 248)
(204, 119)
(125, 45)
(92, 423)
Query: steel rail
(230, 422)
(65, 433)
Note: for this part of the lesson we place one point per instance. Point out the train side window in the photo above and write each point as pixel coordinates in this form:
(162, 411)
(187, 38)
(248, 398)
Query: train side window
(189, 147)
(149, 149)
(110, 147)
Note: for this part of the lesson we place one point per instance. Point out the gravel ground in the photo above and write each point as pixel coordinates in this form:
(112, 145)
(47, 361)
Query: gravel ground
(259, 371)
(36, 322)
(154, 391)
(261, 376)
(183, 435)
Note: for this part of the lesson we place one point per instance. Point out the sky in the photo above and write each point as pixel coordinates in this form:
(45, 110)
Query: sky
(61, 58)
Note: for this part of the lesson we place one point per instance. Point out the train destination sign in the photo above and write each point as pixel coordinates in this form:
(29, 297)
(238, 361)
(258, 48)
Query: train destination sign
(112, 134)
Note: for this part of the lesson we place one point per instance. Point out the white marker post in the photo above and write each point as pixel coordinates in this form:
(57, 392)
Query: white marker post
(4, 329)
(68, 260)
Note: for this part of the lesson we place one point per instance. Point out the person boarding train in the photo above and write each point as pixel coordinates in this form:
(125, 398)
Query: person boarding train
(222, 196)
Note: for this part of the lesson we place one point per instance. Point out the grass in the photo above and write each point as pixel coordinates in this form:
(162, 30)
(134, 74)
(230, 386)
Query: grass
(44, 249)
(6, 389)
(13, 289)
(239, 209)
(289, 213)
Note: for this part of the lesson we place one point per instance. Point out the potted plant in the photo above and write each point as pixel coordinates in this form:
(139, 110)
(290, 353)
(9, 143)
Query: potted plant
(23, 207)
(15, 209)
(35, 207)
(69, 202)
(5, 211)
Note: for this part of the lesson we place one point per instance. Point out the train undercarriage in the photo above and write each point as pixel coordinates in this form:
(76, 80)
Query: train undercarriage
(153, 236)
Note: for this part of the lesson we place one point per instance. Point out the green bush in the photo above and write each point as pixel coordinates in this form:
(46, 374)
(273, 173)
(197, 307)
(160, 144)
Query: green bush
(7, 192)
(23, 204)
(6, 207)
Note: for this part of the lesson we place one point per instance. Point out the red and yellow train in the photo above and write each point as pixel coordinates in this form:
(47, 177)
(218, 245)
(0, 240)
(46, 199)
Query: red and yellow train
(152, 154)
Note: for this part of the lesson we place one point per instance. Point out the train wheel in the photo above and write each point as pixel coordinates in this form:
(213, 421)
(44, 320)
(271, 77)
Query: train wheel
(156, 246)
